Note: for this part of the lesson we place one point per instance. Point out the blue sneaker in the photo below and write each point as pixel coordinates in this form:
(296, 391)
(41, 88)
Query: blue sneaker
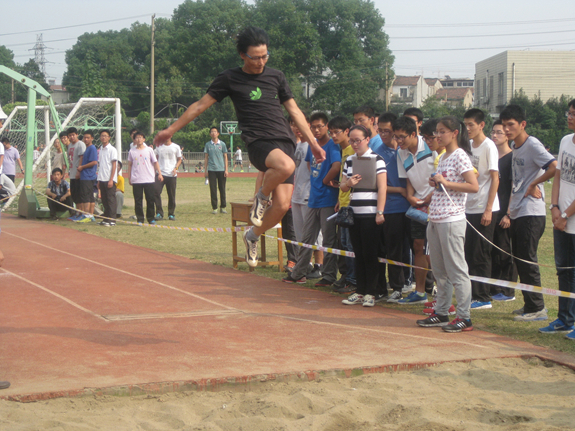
(413, 298)
(171, 217)
(152, 221)
(76, 217)
(557, 327)
(502, 297)
(570, 335)
(478, 305)
(159, 216)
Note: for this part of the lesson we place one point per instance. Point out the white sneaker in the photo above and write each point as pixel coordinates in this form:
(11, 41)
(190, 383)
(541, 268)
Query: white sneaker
(408, 288)
(251, 251)
(368, 301)
(258, 210)
(353, 299)
(531, 317)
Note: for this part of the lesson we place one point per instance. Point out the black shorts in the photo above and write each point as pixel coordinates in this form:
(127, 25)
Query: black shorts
(259, 150)
(418, 230)
(75, 190)
(87, 191)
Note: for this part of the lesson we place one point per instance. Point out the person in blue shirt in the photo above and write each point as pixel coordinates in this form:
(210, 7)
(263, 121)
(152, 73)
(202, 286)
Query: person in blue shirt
(323, 196)
(88, 177)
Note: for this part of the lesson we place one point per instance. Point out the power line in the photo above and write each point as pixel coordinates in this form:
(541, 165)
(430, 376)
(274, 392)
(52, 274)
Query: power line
(482, 24)
(482, 36)
(72, 26)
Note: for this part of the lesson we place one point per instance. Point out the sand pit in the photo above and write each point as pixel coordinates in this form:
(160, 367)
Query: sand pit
(495, 394)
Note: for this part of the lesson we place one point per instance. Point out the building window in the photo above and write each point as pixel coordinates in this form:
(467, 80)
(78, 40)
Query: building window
(403, 93)
(501, 84)
(491, 85)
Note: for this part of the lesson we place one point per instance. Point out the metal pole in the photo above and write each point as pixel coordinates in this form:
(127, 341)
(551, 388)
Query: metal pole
(152, 79)
(47, 142)
(118, 120)
(30, 134)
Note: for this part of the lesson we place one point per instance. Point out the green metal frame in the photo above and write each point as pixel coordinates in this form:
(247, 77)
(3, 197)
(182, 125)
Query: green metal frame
(28, 204)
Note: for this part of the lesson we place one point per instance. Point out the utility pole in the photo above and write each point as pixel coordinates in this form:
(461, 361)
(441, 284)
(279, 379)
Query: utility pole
(152, 86)
(386, 90)
(13, 94)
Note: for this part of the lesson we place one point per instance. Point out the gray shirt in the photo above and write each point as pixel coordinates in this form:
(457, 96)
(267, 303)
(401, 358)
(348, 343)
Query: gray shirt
(529, 162)
(74, 152)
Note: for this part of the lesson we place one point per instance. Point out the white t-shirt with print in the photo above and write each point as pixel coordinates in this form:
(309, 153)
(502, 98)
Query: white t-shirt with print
(566, 164)
(485, 159)
(167, 156)
(441, 209)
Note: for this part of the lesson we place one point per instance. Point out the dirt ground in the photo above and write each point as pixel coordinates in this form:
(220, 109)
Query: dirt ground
(494, 394)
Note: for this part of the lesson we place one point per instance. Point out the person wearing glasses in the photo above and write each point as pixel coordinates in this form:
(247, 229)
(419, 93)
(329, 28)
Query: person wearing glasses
(415, 164)
(258, 93)
(368, 218)
(502, 265)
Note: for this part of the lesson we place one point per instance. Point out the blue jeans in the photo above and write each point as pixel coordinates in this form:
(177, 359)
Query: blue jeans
(349, 261)
(564, 244)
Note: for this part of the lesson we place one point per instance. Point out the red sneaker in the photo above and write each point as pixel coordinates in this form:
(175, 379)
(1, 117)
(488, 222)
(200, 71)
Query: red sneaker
(430, 310)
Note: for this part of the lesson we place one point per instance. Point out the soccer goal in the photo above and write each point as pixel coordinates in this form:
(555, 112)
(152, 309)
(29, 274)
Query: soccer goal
(94, 114)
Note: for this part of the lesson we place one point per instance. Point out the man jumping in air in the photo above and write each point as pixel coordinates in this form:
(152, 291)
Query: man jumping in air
(258, 93)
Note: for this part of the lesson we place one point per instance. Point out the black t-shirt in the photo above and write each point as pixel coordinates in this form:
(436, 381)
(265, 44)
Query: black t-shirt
(505, 184)
(258, 101)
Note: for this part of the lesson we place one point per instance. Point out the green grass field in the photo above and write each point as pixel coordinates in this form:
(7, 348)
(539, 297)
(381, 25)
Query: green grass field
(194, 210)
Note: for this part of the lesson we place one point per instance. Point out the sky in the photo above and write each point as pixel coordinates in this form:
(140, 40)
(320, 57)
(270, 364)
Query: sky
(444, 37)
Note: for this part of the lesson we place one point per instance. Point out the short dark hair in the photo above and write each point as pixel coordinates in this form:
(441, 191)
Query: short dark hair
(138, 133)
(89, 132)
(365, 110)
(339, 122)
(63, 133)
(251, 36)
(5, 140)
(387, 117)
(133, 130)
(500, 123)
(571, 104)
(366, 132)
(513, 112)
(408, 125)
(319, 116)
(214, 127)
(120, 163)
(415, 112)
(105, 131)
(57, 170)
(428, 128)
(72, 130)
(474, 114)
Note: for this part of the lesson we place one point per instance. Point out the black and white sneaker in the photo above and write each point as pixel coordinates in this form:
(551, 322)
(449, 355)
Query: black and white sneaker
(380, 297)
(104, 223)
(394, 297)
(258, 210)
(251, 251)
(458, 325)
(433, 320)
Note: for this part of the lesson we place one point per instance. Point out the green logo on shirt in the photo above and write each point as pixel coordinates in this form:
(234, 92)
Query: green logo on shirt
(256, 94)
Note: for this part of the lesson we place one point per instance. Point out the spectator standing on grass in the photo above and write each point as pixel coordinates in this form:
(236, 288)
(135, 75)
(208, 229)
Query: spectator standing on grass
(322, 201)
(216, 163)
(58, 159)
(11, 156)
(76, 150)
(368, 218)
(169, 157)
(452, 182)
(532, 165)
(238, 159)
(87, 171)
(142, 166)
(562, 211)
(502, 265)
(107, 178)
(481, 208)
